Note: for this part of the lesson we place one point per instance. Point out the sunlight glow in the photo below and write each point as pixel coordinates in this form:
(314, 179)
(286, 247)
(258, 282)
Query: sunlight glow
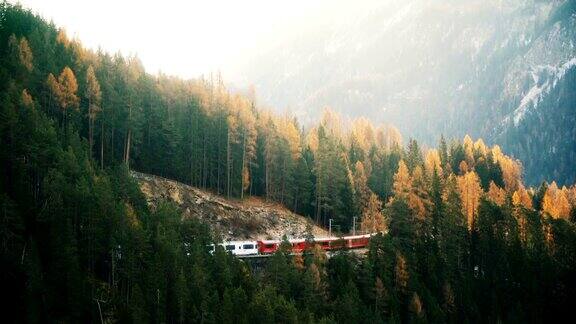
(188, 38)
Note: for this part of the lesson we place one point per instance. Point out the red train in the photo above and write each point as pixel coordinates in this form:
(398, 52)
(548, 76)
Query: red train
(326, 243)
(263, 247)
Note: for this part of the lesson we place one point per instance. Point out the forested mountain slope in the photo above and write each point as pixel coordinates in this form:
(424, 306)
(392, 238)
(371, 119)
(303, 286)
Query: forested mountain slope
(466, 240)
(500, 70)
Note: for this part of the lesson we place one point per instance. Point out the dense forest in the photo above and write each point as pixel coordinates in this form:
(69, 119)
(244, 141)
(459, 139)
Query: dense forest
(462, 239)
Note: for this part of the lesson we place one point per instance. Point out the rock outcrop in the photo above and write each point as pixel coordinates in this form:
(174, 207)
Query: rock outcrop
(251, 218)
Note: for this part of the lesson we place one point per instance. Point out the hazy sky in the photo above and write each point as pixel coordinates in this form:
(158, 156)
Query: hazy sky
(189, 38)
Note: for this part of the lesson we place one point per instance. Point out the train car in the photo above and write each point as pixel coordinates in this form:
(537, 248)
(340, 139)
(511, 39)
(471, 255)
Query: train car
(238, 247)
(324, 242)
(357, 241)
(298, 245)
(346, 242)
(268, 246)
(271, 246)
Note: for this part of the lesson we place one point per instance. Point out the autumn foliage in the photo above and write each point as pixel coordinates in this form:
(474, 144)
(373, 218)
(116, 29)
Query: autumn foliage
(458, 236)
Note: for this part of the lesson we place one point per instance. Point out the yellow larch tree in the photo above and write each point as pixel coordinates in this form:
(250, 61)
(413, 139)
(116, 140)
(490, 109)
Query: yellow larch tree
(64, 91)
(469, 150)
(571, 195)
(411, 188)
(511, 169)
(470, 193)
(363, 133)
(496, 194)
(372, 217)
(567, 193)
(522, 226)
(388, 137)
(241, 134)
(401, 274)
(548, 200)
(548, 236)
(480, 147)
(463, 167)
(555, 202)
(69, 88)
(522, 198)
(248, 121)
(416, 305)
(25, 54)
(20, 52)
(432, 162)
(402, 181)
(289, 131)
(312, 139)
(26, 98)
(298, 262)
(62, 37)
(332, 122)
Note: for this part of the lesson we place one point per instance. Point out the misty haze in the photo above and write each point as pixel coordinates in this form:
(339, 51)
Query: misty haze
(257, 161)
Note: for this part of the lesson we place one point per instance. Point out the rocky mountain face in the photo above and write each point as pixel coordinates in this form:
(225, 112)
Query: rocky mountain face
(500, 70)
(250, 219)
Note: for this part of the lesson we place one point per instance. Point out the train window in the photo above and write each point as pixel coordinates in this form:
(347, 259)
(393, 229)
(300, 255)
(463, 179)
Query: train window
(248, 246)
(230, 247)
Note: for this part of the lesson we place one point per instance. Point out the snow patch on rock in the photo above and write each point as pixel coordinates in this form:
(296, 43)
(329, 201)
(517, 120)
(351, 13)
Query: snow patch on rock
(551, 75)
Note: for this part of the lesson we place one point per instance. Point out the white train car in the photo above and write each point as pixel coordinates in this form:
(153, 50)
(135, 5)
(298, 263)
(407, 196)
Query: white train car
(241, 247)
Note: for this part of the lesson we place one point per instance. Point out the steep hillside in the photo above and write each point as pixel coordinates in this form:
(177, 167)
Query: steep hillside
(491, 69)
(252, 218)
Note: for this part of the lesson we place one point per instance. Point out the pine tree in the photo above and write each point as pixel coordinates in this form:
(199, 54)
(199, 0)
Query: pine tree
(413, 155)
(539, 196)
(303, 190)
(419, 200)
(457, 156)
(94, 96)
(443, 151)
(436, 191)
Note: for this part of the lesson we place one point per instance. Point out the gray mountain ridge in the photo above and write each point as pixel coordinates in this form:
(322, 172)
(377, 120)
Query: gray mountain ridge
(500, 70)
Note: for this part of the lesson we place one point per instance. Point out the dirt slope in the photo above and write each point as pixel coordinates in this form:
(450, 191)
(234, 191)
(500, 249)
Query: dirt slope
(251, 218)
